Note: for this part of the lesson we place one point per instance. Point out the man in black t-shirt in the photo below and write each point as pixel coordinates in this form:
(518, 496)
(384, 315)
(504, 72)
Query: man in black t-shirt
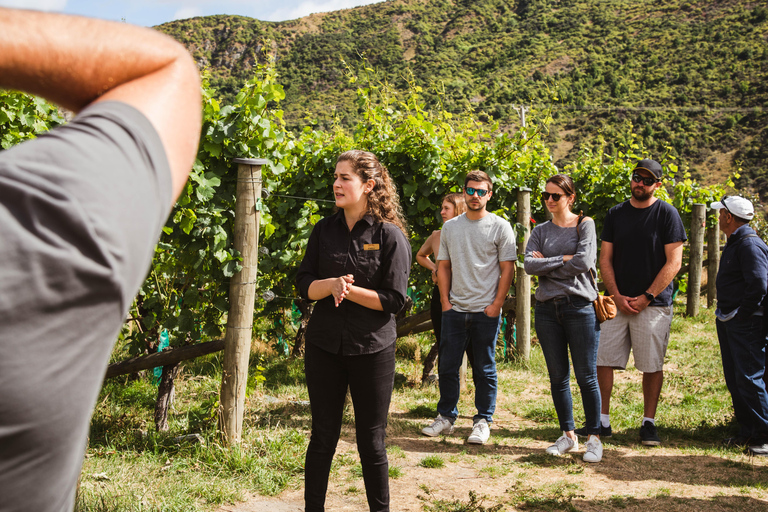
(641, 252)
(81, 209)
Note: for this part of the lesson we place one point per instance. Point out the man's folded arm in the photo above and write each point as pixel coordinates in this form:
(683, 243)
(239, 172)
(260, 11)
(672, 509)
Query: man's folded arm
(74, 61)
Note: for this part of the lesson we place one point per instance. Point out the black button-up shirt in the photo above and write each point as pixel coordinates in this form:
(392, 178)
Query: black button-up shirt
(378, 255)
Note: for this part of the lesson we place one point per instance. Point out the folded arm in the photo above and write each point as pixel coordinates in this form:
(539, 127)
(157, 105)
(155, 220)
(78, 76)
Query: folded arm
(74, 61)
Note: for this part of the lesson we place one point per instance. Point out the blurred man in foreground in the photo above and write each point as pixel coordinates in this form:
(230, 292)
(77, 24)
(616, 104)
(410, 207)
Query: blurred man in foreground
(81, 209)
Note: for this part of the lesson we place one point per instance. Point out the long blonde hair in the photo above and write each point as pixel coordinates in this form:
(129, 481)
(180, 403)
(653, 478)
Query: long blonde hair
(457, 200)
(383, 201)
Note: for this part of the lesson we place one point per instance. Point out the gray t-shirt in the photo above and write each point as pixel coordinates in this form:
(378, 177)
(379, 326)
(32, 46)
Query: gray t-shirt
(558, 279)
(81, 209)
(475, 248)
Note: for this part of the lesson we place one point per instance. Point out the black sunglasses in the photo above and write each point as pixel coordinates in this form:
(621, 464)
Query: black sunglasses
(722, 202)
(645, 181)
(547, 195)
(471, 191)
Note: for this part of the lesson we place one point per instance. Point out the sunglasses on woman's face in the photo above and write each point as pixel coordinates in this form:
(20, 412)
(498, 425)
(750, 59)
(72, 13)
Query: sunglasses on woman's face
(471, 191)
(547, 195)
(642, 179)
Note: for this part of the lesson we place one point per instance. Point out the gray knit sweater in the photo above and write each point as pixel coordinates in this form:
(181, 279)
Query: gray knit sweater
(558, 279)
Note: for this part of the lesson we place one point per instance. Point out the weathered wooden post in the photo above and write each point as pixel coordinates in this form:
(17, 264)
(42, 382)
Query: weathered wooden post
(242, 294)
(522, 280)
(698, 217)
(713, 256)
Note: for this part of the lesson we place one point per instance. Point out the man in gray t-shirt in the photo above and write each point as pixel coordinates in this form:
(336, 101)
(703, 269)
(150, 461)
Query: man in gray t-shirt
(475, 270)
(81, 209)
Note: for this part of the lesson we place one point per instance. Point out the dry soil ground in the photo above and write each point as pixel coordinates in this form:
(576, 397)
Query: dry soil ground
(513, 470)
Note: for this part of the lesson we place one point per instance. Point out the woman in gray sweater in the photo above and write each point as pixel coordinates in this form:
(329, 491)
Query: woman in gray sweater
(562, 252)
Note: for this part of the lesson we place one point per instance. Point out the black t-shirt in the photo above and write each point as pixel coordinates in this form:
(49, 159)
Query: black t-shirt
(379, 257)
(638, 236)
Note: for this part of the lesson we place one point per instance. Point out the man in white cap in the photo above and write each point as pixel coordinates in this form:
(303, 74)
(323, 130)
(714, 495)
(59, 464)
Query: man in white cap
(742, 281)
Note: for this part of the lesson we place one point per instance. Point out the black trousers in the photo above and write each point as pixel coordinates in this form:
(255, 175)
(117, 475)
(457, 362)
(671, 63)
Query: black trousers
(370, 379)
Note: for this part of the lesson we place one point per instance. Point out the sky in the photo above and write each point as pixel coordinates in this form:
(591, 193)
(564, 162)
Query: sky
(154, 12)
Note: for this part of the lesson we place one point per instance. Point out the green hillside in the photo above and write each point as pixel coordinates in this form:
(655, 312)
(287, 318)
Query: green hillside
(689, 78)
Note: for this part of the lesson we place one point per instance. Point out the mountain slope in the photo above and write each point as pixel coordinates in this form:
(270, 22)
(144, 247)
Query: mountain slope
(690, 78)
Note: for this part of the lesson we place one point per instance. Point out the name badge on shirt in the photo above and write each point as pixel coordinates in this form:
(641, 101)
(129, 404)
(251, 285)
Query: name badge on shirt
(371, 247)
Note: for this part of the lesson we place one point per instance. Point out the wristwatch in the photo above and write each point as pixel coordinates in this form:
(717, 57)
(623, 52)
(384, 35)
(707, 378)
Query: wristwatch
(649, 296)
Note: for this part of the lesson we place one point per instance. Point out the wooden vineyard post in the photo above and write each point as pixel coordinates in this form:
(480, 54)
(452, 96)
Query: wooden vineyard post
(698, 217)
(713, 257)
(242, 295)
(523, 280)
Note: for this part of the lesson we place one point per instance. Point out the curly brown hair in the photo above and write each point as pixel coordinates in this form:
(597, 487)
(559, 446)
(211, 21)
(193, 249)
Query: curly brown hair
(383, 201)
(457, 200)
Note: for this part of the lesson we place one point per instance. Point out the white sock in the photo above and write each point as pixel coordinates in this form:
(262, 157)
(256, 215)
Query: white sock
(605, 420)
(653, 422)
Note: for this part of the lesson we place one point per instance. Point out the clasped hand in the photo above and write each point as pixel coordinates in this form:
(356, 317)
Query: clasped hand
(341, 287)
(631, 305)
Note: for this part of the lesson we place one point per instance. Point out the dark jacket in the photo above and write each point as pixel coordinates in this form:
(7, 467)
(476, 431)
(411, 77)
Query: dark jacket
(742, 278)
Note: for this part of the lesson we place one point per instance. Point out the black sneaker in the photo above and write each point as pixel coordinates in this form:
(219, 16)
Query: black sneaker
(738, 441)
(648, 435)
(604, 431)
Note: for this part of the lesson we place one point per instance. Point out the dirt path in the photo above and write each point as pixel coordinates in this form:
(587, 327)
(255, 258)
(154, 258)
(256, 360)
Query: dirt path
(513, 470)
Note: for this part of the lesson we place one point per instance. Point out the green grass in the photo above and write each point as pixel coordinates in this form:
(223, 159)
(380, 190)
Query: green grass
(432, 462)
(129, 466)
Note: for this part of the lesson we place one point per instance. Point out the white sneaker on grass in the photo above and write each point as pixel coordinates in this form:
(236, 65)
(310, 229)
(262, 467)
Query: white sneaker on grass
(480, 432)
(563, 445)
(441, 425)
(594, 451)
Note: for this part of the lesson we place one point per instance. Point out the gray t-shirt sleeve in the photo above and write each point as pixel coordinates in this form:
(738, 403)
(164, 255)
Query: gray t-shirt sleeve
(81, 209)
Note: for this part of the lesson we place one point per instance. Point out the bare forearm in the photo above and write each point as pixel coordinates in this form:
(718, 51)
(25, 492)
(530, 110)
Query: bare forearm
(607, 274)
(505, 281)
(444, 278)
(425, 262)
(320, 289)
(365, 297)
(663, 278)
(74, 61)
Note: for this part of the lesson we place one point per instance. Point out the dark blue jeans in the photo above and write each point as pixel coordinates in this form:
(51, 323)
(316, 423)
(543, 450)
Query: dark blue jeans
(569, 323)
(460, 330)
(742, 347)
(370, 378)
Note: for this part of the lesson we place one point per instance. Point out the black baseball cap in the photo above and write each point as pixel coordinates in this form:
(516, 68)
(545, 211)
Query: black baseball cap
(651, 166)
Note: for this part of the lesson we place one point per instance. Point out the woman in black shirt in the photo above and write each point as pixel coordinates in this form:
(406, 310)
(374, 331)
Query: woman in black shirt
(356, 268)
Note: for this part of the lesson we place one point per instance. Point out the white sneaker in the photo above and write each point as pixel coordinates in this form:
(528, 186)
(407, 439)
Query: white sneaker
(480, 432)
(563, 445)
(594, 451)
(441, 425)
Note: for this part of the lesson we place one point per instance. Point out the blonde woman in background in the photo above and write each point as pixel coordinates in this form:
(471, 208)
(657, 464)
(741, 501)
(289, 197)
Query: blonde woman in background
(453, 206)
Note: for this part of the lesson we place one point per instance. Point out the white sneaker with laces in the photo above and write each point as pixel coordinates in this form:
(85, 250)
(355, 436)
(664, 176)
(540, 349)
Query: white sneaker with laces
(594, 451)
(563, 445)
(480, 432)
(441, 425)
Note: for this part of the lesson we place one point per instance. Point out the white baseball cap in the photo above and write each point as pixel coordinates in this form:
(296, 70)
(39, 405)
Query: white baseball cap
(736, 206)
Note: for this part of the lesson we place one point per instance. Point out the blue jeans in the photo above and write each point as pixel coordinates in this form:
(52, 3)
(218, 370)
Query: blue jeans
(742, 347)
(458, 331)
(563, 323)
